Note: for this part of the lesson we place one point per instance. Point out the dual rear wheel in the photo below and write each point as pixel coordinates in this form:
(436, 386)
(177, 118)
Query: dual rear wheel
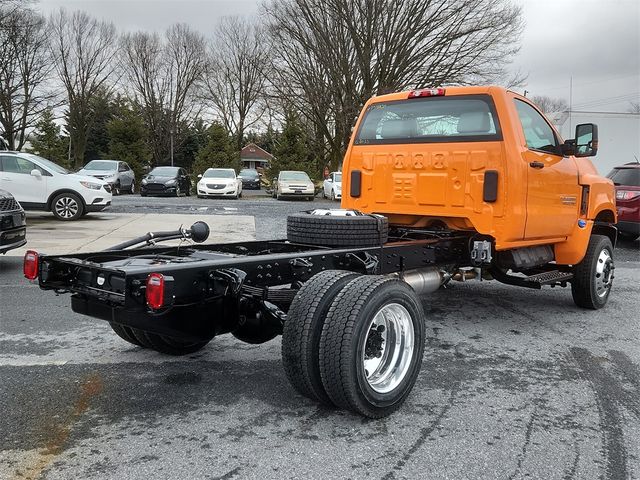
(355, 342)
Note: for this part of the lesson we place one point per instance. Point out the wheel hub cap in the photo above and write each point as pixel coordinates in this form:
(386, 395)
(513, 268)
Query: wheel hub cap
(604, 273)
(387, 348)
(66, 207)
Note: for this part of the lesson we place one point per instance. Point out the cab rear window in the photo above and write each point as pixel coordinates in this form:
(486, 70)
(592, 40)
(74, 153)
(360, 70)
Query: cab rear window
(430, 119)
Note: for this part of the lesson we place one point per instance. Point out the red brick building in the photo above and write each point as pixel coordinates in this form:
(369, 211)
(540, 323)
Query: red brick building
(252, 156)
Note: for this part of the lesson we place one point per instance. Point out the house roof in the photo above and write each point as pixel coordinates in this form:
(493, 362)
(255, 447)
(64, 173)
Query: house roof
(252, 151)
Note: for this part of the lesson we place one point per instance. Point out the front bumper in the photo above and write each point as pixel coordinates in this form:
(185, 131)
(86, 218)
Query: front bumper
(13, 230)
(157, 189)
(251, 185)
(296, 192)
(226, 191)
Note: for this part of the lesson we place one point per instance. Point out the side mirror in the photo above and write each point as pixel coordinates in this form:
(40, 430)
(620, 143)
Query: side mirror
(200, 176)
(586, 142)
(36, 173)
(330, 180)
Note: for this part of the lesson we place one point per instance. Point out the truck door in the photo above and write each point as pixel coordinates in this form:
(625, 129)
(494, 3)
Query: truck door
(553, 193)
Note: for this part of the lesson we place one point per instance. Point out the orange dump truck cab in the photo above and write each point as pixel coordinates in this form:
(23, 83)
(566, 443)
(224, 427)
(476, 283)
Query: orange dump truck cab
(480, 159)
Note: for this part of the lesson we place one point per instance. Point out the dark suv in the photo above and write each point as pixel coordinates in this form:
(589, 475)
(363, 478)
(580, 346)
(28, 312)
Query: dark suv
(13, 223)
(626, 178)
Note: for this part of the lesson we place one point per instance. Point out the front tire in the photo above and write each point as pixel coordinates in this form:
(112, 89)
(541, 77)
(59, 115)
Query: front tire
(132, 188)
(333, 196)
(593, 276)
(116, 188)
(371, 345)
(67, 207)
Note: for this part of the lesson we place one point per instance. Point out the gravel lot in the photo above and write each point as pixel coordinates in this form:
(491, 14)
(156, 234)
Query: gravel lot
(515, 384)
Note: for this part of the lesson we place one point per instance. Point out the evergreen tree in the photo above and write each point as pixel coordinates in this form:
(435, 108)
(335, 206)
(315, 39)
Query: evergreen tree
(104, 107)
(126, 139)
(291, 153)
(218, 152)
(47, 142)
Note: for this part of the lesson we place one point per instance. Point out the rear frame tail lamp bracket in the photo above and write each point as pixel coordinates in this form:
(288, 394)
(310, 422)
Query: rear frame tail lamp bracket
(30, 266)
(159, 291)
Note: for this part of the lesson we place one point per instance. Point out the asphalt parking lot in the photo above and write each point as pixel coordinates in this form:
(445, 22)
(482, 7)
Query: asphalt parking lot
(514, 384)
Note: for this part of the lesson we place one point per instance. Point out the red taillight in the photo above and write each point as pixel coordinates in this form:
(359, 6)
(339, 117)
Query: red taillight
(30, 265)
(427, 92)
(155, 291)
(627, 194)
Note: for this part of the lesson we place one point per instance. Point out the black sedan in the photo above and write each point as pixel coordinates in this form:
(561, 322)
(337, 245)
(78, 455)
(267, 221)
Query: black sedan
(13, 223)
(166, 181)
(250, 179)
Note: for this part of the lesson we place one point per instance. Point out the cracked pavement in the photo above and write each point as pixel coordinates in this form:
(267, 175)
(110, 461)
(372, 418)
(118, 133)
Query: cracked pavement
(514, 384)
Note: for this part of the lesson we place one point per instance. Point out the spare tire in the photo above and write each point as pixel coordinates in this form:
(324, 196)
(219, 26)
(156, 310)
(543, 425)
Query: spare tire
(337, 229)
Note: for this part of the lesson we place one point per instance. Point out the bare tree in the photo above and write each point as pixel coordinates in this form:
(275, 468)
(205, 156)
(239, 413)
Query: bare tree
(24, 71)
(83, 49)
(549, 104)
(334, 54)
(237, 74)
(165, 75)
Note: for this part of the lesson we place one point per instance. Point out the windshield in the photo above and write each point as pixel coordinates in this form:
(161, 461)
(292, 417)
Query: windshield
(288, 176)
(427, 120)
(101, 165)
(219, 173)
(164, 171)
(54, 167)
(248, 173)
(625, 176)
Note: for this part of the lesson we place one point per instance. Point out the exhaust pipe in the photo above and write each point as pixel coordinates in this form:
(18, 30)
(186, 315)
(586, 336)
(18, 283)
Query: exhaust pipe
(423, 280)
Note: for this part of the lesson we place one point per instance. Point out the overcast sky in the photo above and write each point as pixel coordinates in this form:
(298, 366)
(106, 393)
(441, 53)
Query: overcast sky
(596, 42)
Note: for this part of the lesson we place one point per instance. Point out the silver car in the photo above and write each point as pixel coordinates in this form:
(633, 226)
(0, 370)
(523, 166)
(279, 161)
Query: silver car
(116, 173)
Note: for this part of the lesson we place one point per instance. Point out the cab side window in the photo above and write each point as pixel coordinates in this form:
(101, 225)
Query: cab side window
(537, 132)
(11, 164)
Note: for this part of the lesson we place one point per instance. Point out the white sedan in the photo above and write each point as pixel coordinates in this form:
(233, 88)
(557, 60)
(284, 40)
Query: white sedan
(332, 186)
(219, 182)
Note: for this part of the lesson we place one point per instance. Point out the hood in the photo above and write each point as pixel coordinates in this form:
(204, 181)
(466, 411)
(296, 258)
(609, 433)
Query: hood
(97, 173)
(5, 195)
(216, 180)
(85, 178)
(158, 179)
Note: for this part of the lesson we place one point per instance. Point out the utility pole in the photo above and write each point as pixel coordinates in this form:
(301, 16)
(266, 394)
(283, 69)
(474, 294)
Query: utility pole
(171, 141)
(570, 100)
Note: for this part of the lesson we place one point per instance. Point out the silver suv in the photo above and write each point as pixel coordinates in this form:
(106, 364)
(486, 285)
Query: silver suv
(117, 174)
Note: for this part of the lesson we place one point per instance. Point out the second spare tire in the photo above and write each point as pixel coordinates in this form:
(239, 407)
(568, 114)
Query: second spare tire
(337, 228)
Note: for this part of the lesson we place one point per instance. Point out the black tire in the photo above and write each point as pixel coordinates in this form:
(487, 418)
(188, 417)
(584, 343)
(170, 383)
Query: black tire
(132, 187)
(349, 333)
(167, 345)
(334, 231)
(125, 333)
(302, 330)
(67, 206)
(593, 276)
(333, 195)
(116, 188)
(143, 194)
(178, 190)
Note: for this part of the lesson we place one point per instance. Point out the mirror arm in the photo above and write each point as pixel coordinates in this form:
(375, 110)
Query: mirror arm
(568, 147)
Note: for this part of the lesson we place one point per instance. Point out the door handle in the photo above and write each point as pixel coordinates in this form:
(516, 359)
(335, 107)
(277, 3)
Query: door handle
(537, 165)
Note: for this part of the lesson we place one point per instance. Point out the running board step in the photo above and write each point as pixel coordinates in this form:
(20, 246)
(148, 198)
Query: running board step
(552, 277)
(549, 278)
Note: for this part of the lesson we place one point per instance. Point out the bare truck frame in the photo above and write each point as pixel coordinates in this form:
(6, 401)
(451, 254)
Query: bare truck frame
(352, 324)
